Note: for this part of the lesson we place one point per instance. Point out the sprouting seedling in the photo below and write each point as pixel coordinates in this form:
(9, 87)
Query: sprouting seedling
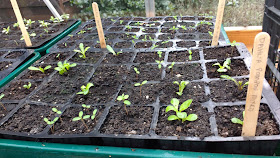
(225, 66)
(1, 96)
(110, 49)
(29, 22)
(145, 38)
(163, 42)
(136, 71)
(134, 36)
(43, 23)
(237, 120)
(138, 23)
(121, 21)
(154, 46)
(113, 20)
(81, 32)
(140, 85)
(57, 112)
(184, 27)
(85, 106)
(210, 33)
(180, 115)
(82, 118)
(182, 86)
(171, 67)
(6, 30)
(150, 38)
(128, 27)
(27, 86)
(190, 54)
(142, 29)
(173, 28)
(43, 70)
(33, 34)
(16, 25)
(46, 30)
(93, 114)
(85, 89)
(51, 123)
(82, 50)
(159, 63)
(159, 54)
(65, 16)
(175, 17)
(64, 67)
(126, 102)
(239, 84)
(233, 44)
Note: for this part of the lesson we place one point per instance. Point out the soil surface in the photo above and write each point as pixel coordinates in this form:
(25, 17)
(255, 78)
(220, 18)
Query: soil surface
(114, 29)
(143, 44)
(164, 44)
(186, 36)
(220, 53)
(238, 68)
(124, 57)
(186, 44)
(184, 72)
(8, 106)
(166, 36)
(14, 55)
(66, 125)
(187, 30)
(183, 56)
(5, 65)
(123, 44)
(266, 123)
(91, 57)
(204, 28)
(147, 37)
(38, 75)
(205, 43)
(148, 57)
(137, 122)
(56, 57)
(198, 128)
(147, 72)
(150, 30)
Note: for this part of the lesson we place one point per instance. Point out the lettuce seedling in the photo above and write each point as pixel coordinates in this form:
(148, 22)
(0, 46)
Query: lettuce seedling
(6, 30)
(1, 96)
(110, 49)
(190, 54)
(40, 68)
(225, 66)
(124, 98)
(136, 71)
(85, 106)
(159, 54)
(29, 22)
(63, 68)
(159, 63)
(182, 86)
(121, 21)
(82, 50)
(93, 114)
(239, 84)
(85, 89)
(154, 46)
(51, 123)
(140, 85)
(27, 86)
(238, 121)
(44, 24)
(82, 118)
(57, 112)
(180, 115)
(174, 28)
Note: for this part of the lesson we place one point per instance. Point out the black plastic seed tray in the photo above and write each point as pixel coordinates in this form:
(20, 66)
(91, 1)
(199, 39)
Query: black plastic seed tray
(14, 38)
(111, 77)
(10, 59)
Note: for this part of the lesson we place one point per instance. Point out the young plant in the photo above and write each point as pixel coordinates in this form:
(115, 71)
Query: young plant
(140, 85)
(237, 120)
(211, 34)
(134, 36)
(136, 71)
(93, 114)
(33, 34)
(110, 49)
(233, 44)
(113, 20)
(82, 118)
(51, 123)
(163, 42)
(57, 112)
(171, 67)
(28, 86)
(85, 89)
(138, 23)
(184, 27)
(126, 102)
(145, 38)
(159, 63)
(180, 115)
(175, 17)
(40, 68)
(190, 54)
(1, 96)
(174, 28)
(6, 30)
(64, 67)
(121, 21)
(85, 106)
(182, 86)
(128, 27)
(159, 54)
(44, 24)
(225, 66)
(65, 16)
(16, 25)
(29, 22)
(239, 84)
(82, 50)
(81, 32)
(154, 46)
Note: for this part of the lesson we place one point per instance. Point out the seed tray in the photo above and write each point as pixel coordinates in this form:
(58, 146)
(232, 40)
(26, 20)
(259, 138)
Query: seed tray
(12, 40)
(214, 142)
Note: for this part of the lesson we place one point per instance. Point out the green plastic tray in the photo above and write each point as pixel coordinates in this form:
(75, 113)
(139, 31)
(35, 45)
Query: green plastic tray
(17, 71)
(57, 38)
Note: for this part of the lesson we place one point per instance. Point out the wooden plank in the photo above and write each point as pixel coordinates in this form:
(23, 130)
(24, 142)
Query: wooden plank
(98, 24)
(150, 8)
(21, 23)
(219, 19)
(258, 67)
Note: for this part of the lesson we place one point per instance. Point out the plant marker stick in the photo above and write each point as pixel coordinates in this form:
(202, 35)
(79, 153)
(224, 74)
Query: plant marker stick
(98, 25)
(21, 24)
(260, 53)
(219, 19)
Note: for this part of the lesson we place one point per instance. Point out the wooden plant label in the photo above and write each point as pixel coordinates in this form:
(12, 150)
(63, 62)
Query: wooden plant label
(21, 23)
(258, 66)
(219, 19)
(98, 25)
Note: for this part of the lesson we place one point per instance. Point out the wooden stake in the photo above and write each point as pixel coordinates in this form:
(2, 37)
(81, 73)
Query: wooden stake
(219, 19)
(98, 25)
(260, 53)
(21, 24)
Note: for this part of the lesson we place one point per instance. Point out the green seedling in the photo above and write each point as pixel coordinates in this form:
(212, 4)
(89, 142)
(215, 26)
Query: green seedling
(182, 86)
(184, 27)
(93, 114)
(140, 85)
(85, 89)
(163, 42)
(138, 23)
(57, 112)
(175, 17)
(126, 102)
(29, 22)
(1, 96)
(33, 34)
(81, 32)
(190, 54)
(113, 20)
(28, 86)
(238, 121)
(145, 38)
(142, 29)
(174, 28)
(82, 118)
(43, 70)
(154, 46)
(121, 21)
(51, 123)
(64, 67)
(110, 49)
(85, 106)
(16, 25)
(6, 30)
(128, 27)
(225, 66)
(239, 84)
(204, 22)
(134, 36)
(180, 115)
(44, 24)
(232, 45)
(46, 30)
(65, 16)
(210, 33)
(150, 38)
(82, 50)
(136, 71)
(159, 63)
(171, 67)
(159, 54)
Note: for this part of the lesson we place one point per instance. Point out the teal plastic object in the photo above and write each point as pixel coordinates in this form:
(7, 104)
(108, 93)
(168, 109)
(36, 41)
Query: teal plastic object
(225, 34)
(26, 149)
(57, 38)
(17, 71)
